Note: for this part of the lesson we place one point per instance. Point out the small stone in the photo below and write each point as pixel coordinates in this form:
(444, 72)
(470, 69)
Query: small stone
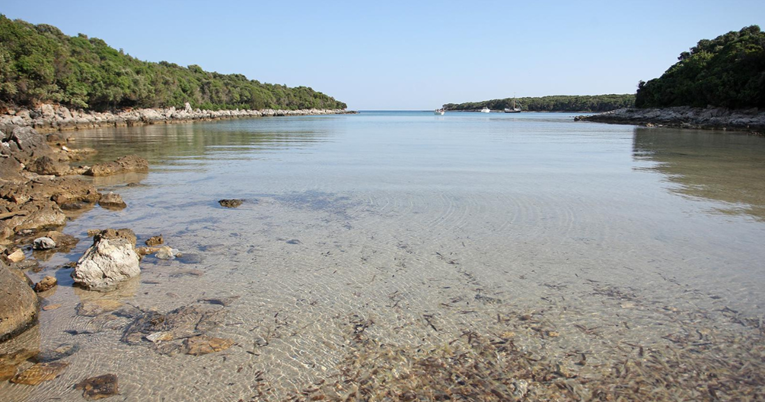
(233, 203)
(202, 345)
(160, 336)
(99, 387)
(44, 243)
(507, 335)
(7, 371)
(51, 307)
(155, 241)
(553, 334)
(167, 253)
(39, 372)
(146, 250)
(46, 284)
(112, 201)
(16, 256)
(628, 305)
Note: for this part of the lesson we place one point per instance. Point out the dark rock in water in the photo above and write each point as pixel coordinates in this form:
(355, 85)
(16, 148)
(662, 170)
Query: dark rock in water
(130, 163)
(39, 372)
(202, 345)
(155, 241)
(233, 203)
(126, 234)
(46, 284)
(293, 241)
(192, 258)
(62, 351)
(180, 323)
(99, 387)
(112, 201)
(223, 301)
(488, 300)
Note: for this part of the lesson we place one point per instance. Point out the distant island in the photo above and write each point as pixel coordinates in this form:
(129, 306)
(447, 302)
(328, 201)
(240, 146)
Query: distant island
(718, 84)
(41, 65)
(555, 103)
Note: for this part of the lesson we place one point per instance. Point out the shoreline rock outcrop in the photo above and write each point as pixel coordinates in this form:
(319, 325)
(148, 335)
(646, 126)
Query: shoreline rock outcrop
(51, 118)
(125, 164)
(19, 306)
(711, 118)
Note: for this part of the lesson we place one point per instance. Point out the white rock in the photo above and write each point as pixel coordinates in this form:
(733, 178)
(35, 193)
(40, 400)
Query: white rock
(107, 262)
(44, 243)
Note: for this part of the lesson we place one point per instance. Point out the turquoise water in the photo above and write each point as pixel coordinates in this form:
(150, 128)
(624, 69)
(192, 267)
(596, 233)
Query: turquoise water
(394, 216)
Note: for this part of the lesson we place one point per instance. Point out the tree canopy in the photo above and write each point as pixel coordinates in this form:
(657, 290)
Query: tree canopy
(38, 63)
(728, 71)
(557, 103)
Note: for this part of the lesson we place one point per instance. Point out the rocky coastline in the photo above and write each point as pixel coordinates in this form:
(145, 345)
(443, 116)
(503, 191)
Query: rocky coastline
(710, 118)
(48, 118)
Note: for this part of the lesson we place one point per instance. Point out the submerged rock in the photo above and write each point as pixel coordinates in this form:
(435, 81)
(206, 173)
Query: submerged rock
(178, 324)
(112, 201)
(92, 308)
(39, 372)
(111, 259)
(202, 345)
(99, 387)
(233, 203)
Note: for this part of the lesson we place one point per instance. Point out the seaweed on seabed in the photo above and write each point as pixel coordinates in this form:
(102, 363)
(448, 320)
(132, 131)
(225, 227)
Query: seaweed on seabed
(491, 368)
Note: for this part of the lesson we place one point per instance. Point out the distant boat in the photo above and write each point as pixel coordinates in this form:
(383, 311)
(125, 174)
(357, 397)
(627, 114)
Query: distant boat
(485, 110)
(439, 112)
(514, 109)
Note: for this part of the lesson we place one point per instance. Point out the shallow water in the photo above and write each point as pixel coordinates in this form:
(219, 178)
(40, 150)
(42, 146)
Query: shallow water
(423, 227)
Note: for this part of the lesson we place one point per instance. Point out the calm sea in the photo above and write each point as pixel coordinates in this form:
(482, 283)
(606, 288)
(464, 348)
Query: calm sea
(423, 227)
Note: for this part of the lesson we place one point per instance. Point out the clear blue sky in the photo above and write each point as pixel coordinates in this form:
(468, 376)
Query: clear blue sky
(409, 54)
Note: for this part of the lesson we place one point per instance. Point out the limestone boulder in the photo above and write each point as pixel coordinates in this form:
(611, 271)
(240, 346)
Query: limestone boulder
(111, 259)
(19, 305)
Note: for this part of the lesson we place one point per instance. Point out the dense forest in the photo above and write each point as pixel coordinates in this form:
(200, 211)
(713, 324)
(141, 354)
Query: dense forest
(38, 63)
(727, 71)
(558, 103)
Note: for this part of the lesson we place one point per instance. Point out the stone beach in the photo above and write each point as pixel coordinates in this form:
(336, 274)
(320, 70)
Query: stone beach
(711, 118)
(50, 118)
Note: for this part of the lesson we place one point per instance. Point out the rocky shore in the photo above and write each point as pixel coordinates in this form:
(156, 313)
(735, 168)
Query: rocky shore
(711, 118)
(48, 118)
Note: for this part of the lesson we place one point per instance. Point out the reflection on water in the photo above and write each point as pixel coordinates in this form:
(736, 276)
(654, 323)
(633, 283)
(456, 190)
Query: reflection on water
(381, 240)
(713, 165)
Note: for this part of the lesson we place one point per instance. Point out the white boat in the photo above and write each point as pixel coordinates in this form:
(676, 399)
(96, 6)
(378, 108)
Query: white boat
(485, 110)
(439, 112)
(514, 109)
